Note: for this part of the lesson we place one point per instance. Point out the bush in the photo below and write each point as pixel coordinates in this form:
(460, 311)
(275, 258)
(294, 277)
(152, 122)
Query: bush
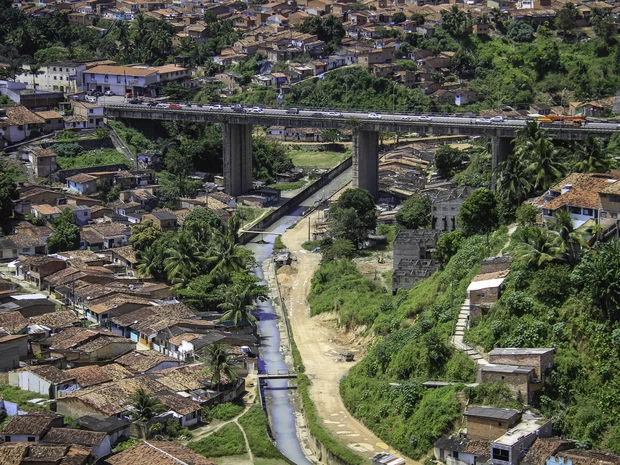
(228, 440)
(226, 411)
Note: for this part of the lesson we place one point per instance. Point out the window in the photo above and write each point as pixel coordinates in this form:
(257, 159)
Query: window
(25, 250)
(501, 454)
(614, 198)
(20, 128)
(7, 438)
(59, 69)
(614, 215)
(54, 68)
(31, 439)
(54, 78)
(575, 210)
(587, 212)
(91, 111)
(85, 214)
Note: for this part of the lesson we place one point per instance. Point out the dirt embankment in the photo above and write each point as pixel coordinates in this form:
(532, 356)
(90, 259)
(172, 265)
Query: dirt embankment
(321, 344)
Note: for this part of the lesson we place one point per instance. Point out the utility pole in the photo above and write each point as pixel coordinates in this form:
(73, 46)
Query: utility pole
(309, 227)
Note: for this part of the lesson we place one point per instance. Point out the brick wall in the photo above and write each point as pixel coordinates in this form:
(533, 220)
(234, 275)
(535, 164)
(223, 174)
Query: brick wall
(518, 383)
(540, 363)
(486, 429)
(494, 264)
(484, 297)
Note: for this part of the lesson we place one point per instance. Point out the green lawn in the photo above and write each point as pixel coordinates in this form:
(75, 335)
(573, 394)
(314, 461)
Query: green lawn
(228, 440)
(316, 159)
(92, 158)
(15, 394)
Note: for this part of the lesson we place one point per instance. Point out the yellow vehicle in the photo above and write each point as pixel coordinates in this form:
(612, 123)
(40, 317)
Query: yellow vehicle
(576, 121)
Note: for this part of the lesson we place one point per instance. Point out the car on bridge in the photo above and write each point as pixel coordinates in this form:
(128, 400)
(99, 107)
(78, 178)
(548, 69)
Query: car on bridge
(255, 110)
(425, 117)
(374, 115)
(483, 120)
(216, 107)
(406, 118)
(292, 111)
(317, 115)
(334, 113)
(162, 105)
(175, 106)
(497, 119)
(238, 108)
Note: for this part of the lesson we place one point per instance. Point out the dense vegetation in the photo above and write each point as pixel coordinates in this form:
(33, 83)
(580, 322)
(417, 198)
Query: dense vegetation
(91, 158)
(226, 441)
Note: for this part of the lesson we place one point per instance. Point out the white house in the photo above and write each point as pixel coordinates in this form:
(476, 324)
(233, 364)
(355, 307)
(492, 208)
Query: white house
(121, 80)
(17, 123)
(63, 76)
(43, 379)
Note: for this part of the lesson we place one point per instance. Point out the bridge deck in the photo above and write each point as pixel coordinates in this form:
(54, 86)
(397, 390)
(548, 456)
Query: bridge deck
(277, 376)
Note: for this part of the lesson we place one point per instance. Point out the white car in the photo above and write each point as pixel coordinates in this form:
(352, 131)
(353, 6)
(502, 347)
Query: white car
(216, 107)
(425, 117)
(406, 118)
(483, 120)
(163, 105)
(374, 115)
(255, 110)
(497, 119)
(334, 113)
(108, 93)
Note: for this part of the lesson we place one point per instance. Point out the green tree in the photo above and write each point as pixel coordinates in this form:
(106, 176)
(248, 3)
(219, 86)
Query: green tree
(520, 31)
(202, 222)
(144, 406)
(449, 161)
(34, 71)
(526, 215)
(353, 215)
(219, 364)
(340, 248)
(572, 241)
(448, 245)
(8, 193)
(184, 259)
(566, 19)
(331, 135)
(240, 301)
(66, 234)
(590, 156)
(479, 213)
(513, 179)
(536, 247)
(454, 20)
(225, 257)
(399, 17)
(144, 235)
(598, 275)
(415, 212)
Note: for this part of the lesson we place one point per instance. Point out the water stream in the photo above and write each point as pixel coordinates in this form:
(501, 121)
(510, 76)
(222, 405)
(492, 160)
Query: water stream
(280, 405)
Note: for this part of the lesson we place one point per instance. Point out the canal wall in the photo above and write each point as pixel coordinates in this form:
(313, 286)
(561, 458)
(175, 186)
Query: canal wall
(292, 203)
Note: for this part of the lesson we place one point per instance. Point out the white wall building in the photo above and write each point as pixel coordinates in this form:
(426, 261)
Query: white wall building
(59, 76)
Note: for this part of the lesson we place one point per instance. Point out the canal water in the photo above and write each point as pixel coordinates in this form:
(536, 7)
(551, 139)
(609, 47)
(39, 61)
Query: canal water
(279, 403)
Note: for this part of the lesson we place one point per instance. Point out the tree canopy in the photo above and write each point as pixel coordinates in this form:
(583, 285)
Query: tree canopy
(415, 212)
(479, 213)
(353, 215)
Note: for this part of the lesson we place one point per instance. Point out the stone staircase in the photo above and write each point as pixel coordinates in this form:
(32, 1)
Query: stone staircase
(457, 339)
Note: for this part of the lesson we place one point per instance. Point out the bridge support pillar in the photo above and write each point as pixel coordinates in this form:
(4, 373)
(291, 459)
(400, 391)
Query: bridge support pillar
(237, 158)
(366, 161)
(501, 147)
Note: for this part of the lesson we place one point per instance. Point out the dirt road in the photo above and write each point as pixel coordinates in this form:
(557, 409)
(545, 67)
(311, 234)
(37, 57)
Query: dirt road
(320, 345)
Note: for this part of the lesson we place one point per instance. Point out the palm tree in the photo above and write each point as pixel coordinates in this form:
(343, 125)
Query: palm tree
(219, 363)
(35, 70)
(239, 303)
(184, 260)
(591, 157)
(513, 180)
(454, 19)
(144, 406)
(536, 247)
(225, 256)
(547, 165)
(572, 241)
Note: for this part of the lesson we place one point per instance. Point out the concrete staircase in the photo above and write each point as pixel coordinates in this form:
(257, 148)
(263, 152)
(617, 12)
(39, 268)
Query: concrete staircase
(457, 339)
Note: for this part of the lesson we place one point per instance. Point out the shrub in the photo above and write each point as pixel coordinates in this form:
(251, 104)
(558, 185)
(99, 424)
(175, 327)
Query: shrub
(226, 411)
(228, 440)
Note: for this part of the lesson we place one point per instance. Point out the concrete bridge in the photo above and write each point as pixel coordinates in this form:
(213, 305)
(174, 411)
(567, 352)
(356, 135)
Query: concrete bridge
(237, 128)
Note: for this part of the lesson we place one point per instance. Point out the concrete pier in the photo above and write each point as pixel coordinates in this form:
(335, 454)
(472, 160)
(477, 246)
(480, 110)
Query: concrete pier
(237, 158)
(366, 161)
